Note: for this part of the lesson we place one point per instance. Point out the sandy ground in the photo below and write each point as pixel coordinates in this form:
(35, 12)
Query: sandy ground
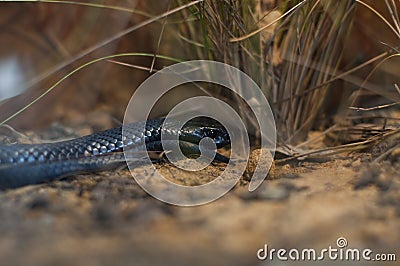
(107, 219)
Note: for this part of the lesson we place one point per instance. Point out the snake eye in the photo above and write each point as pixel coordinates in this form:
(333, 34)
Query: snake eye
(218, 135)
(199, 128)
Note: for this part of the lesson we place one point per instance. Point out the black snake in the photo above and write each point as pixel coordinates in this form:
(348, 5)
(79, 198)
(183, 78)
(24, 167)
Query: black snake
(24, 164)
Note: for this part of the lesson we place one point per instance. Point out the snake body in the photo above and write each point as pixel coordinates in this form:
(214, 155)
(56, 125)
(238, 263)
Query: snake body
(24, 164)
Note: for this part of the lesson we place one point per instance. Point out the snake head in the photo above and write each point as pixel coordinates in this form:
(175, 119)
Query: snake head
(218, 134)
(205, 127)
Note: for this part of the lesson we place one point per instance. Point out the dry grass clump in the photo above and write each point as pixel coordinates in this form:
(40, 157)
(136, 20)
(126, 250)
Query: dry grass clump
(292, 49)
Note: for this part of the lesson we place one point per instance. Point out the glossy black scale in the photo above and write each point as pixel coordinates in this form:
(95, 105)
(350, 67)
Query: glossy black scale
(23, 164)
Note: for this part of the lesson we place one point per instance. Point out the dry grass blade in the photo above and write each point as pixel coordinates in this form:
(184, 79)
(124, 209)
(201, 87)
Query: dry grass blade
(210, 38)
(76, 70)
(309, 37)
(390, 136)
(117, 36)
(381, 16)
(310, 44)
(287, 13)
(391, 54)
(81, 3)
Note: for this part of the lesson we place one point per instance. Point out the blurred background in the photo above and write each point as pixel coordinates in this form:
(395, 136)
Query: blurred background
(39, 44)
(43, 42)
(329, 69)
